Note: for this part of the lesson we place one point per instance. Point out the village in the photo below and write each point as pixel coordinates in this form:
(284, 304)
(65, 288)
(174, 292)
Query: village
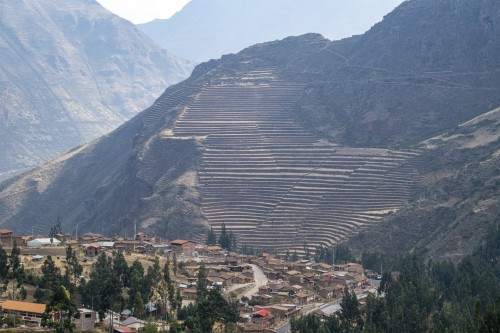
(268, 290)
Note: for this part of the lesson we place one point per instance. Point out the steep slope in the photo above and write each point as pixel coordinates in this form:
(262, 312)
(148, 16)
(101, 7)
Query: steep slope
(70, 72)
(458, 200)
(205, 30)
(429, 66)
(242, 141)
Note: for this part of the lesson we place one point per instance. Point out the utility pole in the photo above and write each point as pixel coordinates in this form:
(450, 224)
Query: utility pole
(135, 232)
(333, 258)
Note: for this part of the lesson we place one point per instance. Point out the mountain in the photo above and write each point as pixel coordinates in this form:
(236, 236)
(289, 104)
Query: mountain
(300, 142)
(205, 30)
(458, 200)
(70, 72)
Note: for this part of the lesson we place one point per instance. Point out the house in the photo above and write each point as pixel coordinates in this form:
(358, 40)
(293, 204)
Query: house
(181, 246)
(296, 279)
(125, 314)
(93, 250)
(127, 245)
(189, 293)
(275, 285)
(141, 237)
(323, 268)
(7, 239)
(304, 298)
(214, 251)
(242, 279)
(91, 237)
(264, 290)
(86, 320)
(281, 296)
(48, 241)
(262, 299)
(334, 292)
(216, 281)
(5, 233)
(133, 323)
(285, 311)
(263, 318)
(31, 313)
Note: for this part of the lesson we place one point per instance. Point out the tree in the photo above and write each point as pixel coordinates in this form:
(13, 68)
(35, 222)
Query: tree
(343, 254)
(224, 239)
(211, 237)
(178, 299)
(214, 308)
(138, 306)
(4, 263)
(61, 304)
(149, 327)
(136, 281)
(55, 229)
(202, 284)
(154, 271)
(51, 274)
(166, 272)
(232, 242)
(287, 255)
(73, 268)
(121, 269)
(376, 315)
(350, 314)
(175, 264)
(171, 297)
(23, 294)
(40, 295)
(103, 290)
(15, 261)
(306, 324)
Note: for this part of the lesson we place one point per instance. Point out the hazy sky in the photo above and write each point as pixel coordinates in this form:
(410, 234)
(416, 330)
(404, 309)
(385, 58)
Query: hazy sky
(141, 11)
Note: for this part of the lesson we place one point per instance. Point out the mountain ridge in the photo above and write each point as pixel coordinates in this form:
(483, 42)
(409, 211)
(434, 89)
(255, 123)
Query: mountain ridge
(206, 30)
(71, 72)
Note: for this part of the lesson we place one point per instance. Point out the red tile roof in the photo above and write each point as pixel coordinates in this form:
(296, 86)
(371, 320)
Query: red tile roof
(262, 313)
(123, 329)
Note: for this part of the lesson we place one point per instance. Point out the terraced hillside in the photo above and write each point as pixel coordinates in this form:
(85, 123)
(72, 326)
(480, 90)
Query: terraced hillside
(273, 183)
(249, 140)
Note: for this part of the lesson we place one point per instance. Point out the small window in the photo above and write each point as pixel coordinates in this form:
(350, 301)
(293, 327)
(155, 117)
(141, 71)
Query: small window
(88, 315)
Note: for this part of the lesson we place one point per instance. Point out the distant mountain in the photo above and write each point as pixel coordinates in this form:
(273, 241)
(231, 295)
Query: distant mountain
(303, 142)
(71, 71)
(207, 29)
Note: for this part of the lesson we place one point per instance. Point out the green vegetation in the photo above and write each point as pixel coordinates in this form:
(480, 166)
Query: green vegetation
(227, 240)
(210, 309)
(424, 297)
(211, 237)
(61, 305)
(342, 253)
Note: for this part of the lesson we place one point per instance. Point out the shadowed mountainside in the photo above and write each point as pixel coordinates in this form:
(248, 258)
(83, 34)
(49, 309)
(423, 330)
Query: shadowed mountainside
(243, 140)
(70, 72)
(457, 201)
